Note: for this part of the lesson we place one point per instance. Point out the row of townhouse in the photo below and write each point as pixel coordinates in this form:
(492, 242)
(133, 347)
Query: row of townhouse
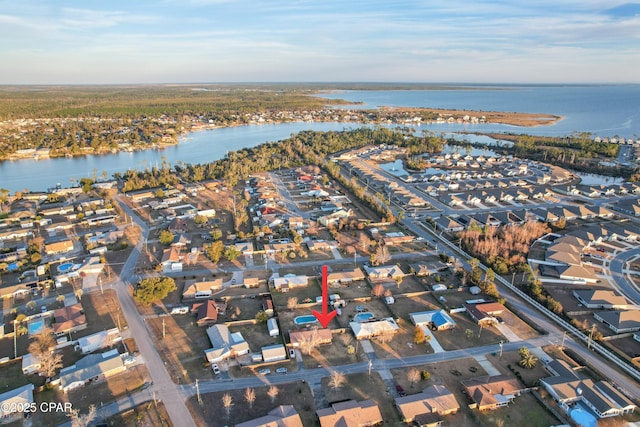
(475, 197)
(519, 216)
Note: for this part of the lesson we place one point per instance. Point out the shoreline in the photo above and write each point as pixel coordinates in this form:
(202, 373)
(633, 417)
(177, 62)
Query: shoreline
(400, 117)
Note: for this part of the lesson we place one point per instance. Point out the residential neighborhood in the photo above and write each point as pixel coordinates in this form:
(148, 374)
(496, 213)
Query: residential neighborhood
(423, 333)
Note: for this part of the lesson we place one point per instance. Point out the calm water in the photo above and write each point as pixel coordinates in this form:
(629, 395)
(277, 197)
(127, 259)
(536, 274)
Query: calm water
(605, 110)
(601, 110)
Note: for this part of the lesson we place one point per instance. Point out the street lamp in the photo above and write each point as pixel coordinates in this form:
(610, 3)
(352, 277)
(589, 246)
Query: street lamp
(501, 342)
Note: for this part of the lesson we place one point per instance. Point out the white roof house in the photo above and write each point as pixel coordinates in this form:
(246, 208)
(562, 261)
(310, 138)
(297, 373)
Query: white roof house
(12, 401)
(99, 365)
(290, 281)
(98, 340)
(365, 330)
(224, 344)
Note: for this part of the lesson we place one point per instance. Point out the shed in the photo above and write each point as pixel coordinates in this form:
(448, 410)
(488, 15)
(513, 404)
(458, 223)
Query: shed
(272, 325)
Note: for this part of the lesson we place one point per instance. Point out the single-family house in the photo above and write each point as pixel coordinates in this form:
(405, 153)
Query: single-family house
(346, 276)
(224, 344)
(282, 416)
(620, 322)
(384, 272)
(13, 402)
(30, 364)
(484, 313)
(492, 392)
(201, 290)
(267, 305)
(60, 247)
(98, 340)
(69, 319)
(449, 225)
(428, 407)
(366, 330)
(566, 386)
(93, 367)
(435, 319)
(350, 414)
(290, 281)
(601, 298)
(206, 312)
(274, 353)
(427, 268)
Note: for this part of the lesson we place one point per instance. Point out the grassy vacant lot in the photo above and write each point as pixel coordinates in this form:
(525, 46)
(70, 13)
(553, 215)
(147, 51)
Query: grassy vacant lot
(147, 414)
(362, 387)
(335, 353)
(311, 291)
(529, 376)
(182, 347)
(113, 388)
(212, 414)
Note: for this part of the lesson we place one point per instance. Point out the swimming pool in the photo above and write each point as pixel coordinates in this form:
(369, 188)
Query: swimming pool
(64, 268)
(583, 417)
(305, 320)
(363, 317)
(35, 326)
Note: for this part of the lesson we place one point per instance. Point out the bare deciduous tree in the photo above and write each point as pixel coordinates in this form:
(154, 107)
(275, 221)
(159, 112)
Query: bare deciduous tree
(78, 420)
(250, 396)
(382, 255)
(50, 363)
(385, 337)
(273, 393)
(413, 376)
(378, 290)
(336, 380)
(227, 403)
(292, 302)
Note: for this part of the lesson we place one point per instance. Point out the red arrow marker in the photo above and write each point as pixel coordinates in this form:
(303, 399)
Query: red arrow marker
(325, 317)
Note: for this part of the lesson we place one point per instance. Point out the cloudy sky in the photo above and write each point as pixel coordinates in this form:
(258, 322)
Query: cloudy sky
(165, 41)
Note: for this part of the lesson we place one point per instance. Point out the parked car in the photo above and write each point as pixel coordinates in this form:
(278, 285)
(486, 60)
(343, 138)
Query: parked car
(264, 371)
(281, 370)
(292, 353)
(500, 320)
(216, 370)
(400, 390)
(180, 310)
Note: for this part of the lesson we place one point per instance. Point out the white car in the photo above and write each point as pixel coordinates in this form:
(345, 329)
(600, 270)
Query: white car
(281, 370)
(292, 353)
(264, 371)
(180, 310)
(215, 368)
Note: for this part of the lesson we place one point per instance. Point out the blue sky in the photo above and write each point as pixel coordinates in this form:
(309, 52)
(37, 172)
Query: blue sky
(85, 42)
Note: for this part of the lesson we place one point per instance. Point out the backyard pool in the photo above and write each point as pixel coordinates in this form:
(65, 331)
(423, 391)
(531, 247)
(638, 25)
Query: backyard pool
(35, 326)
(305, 320)
(64, 268)
(363, 317)
(583, 417)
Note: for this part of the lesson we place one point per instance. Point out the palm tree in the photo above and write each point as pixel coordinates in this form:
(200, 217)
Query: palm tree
(529, 361)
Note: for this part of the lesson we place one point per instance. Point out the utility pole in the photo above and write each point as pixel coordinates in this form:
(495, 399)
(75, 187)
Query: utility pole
(198, 391)
(501, 342)
(163, 329)
(15, 339)
(564, 335)
(593, 327)
(100, 283)
(370, 366)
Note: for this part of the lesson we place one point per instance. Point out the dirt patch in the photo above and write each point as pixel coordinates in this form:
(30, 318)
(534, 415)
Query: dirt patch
(147, 414)
(211, 412)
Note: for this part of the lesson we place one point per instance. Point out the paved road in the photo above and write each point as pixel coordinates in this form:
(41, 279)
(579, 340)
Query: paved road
(166, 390)
(616, 265)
